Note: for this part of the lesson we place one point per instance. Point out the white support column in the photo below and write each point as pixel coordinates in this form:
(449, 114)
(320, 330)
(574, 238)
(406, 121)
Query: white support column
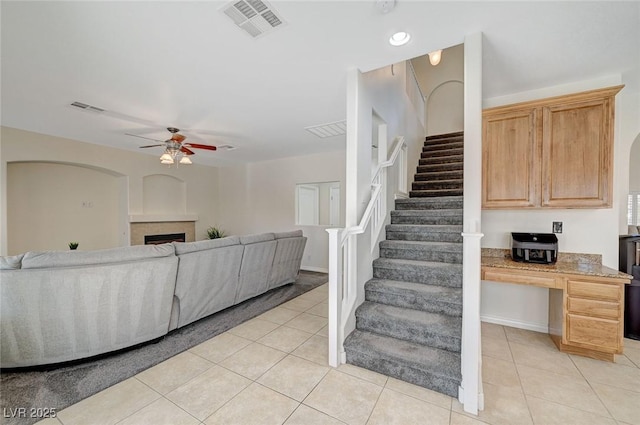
(470, 393)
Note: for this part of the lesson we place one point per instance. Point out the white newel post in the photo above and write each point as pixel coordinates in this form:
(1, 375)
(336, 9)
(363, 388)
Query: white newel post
(471, 394)
(335, 296)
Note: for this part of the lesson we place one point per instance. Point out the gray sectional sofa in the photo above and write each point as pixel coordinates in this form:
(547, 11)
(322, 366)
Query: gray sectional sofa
(68, 305)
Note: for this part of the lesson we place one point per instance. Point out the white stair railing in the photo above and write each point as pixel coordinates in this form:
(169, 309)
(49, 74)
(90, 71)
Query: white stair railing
(343, 251)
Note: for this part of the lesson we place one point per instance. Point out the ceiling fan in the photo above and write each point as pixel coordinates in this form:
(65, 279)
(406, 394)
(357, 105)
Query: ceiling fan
(176, 150)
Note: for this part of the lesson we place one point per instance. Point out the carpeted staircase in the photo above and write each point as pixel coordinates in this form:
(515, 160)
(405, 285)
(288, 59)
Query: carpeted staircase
(410, 325)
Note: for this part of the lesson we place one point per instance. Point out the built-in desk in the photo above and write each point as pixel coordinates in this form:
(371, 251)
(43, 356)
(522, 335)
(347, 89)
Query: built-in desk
(586, 299)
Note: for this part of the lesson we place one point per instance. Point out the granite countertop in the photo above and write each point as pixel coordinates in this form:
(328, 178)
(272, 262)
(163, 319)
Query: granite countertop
(570, 263)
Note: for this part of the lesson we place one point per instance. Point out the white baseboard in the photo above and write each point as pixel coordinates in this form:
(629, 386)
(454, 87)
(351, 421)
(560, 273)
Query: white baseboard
(314, 269)
(536, 327)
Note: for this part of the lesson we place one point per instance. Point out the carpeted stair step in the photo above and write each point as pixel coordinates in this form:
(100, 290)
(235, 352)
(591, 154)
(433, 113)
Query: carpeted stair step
(434, 193)
(445, 202)
(416, 296)
(447, 166)
(438, 370)
(443, 146)
(439, 175)
(442, 152)
(432, 160)
(441, 216)
(437, 184)
(444, 252)
(420, 327)
(424, 232)
(444, 135)
(426, 272)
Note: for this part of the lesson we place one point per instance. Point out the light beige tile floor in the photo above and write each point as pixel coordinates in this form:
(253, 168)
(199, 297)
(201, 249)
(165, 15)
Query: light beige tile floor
(273, 370)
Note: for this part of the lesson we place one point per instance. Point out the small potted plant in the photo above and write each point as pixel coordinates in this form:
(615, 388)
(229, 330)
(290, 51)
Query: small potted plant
(215, 233)
(73, 245)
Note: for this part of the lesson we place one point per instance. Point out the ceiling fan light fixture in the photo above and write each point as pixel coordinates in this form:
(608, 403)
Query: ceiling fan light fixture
(166, 157)
(435, 56)
(400, 38)
(185, 160)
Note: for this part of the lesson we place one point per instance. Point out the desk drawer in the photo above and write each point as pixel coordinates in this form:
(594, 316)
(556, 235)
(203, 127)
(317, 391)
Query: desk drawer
(591, 332)
(608, 310)
(521, 277)
(599, 291)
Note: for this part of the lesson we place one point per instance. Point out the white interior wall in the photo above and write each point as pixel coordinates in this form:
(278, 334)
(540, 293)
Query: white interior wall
(260, 197)
(64, 203)
(443, 88)
(593, 231)
(22, 146)
(163, 194)
(384, 92)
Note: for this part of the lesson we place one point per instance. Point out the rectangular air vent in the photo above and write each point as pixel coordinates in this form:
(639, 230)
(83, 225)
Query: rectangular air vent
(86, 107)
(331, 129)
(255, 17)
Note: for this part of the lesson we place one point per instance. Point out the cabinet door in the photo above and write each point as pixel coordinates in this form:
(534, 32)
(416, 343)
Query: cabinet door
(577, 154)
(510, 160)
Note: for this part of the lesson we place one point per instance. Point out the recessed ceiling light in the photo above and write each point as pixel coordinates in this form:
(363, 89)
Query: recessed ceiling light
(399, 38)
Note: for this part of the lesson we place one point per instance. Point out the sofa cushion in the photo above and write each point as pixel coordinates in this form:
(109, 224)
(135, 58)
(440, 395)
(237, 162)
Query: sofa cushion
(259, 237)
(11, 263)
(39, 260)
(186, 247)
(291, 234)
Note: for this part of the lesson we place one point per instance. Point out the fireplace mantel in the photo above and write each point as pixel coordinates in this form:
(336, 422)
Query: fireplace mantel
(155, 218)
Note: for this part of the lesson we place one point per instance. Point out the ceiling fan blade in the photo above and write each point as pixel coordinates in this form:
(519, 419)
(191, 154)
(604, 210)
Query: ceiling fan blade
(199, 146)
(178, 137)
(150, 146)
(186, 151)
(142, 137)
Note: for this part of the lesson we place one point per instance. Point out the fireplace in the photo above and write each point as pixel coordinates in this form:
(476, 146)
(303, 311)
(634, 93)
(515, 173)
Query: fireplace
(164, 238)
(145, 225)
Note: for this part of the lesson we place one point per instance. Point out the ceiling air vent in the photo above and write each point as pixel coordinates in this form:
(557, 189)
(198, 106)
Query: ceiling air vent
(331, 129)
(255, 17)
(86, 107)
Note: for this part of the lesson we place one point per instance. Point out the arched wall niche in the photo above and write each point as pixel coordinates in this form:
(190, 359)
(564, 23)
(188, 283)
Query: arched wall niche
(634, 166)
(164, 194)
(52, 203)
(445, 108)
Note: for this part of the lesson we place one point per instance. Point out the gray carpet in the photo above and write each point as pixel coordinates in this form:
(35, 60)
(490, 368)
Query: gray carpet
(410, 325)
(64, 386)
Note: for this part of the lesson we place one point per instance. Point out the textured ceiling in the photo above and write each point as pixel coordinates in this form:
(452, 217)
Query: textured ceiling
(156, 64)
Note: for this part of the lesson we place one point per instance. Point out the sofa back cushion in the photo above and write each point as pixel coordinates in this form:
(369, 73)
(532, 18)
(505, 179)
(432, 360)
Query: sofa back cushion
(207, 280)
(291, 234)
(51, 259)
(187, 247)
(257, 260)
(11, 263)
(287, 259)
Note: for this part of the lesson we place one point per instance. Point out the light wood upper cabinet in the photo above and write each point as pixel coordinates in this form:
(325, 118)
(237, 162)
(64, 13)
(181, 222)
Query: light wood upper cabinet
(510, 168)
(550, 153)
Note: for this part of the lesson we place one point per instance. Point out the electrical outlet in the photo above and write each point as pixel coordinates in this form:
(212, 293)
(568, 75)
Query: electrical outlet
(557, 227)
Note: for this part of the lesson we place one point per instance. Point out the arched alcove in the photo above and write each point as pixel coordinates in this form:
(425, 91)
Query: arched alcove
(445, 108)
(164, 194)
(50, 204)
(634, 166)
(633, 205)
